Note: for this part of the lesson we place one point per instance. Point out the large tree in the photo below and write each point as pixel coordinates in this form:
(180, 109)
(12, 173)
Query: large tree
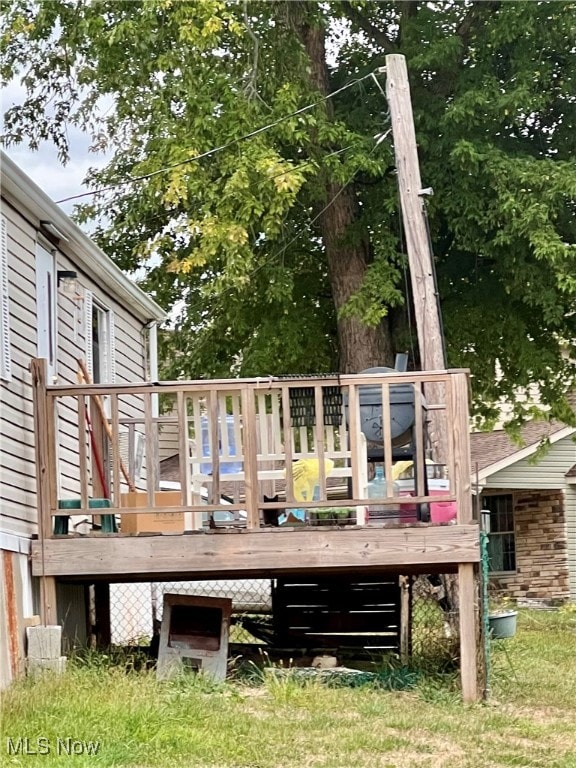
(283, 252)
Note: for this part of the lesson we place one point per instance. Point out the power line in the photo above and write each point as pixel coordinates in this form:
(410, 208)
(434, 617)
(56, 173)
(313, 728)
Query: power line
(292, 169)
(220, 148)
(307, 227)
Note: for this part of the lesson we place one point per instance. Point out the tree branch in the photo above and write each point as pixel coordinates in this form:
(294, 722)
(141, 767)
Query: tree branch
(251, 88)
(467, 23)
(379, 37)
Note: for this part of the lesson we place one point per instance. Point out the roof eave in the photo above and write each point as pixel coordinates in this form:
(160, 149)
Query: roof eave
(522, 453)
(83, 250)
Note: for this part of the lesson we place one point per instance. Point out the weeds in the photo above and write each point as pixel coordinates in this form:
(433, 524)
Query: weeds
(265, 719)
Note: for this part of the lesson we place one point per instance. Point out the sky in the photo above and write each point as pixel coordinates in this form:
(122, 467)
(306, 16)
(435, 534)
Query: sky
(43, 167)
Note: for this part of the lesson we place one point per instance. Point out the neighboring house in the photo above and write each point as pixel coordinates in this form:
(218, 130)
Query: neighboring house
(62, 299)
(532, 503)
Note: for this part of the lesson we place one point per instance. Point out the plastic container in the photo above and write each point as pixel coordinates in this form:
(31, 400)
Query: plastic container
(226, 467)
(502, 625)
(108, 522)
(440, 511)
(377, 488)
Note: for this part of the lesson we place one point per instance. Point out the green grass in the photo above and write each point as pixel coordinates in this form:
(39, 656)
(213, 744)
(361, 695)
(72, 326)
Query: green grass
(262, 721)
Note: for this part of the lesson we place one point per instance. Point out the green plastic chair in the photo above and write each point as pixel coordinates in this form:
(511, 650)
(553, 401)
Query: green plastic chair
(61, 524)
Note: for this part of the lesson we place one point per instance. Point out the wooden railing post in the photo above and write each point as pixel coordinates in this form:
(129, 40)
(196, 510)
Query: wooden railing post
(250, 457)
(354, 437)
(184, 462)
(82, 459)
(461, 432)
(44, 424)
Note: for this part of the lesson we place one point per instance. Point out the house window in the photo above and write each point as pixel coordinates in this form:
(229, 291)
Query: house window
(100, 341)
(501, 539)
(5, 356)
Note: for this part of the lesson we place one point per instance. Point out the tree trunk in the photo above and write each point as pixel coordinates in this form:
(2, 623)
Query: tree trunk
(361, 346)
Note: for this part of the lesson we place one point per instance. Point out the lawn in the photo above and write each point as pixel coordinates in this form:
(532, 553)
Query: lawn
(261, 721)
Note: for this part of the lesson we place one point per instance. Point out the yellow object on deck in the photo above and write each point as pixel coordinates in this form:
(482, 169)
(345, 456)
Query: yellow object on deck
(306, 476)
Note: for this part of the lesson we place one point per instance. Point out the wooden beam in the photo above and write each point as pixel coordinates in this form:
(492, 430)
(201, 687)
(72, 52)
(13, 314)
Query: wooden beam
(151, 474)
(287, 436)
(202, 386)
(117, 463)
(354, 437)
(82, 458)
(319, 440)
(387, 438)
(39, 370)
(461, 433)
(45, 464)
(49, 607)
(468, 611)
(267, 551)
(216, 426)
(250, 457)
(426, 307)
(418, 246)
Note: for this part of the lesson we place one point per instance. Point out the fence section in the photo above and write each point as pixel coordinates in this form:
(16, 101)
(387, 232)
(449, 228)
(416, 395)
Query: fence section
(421, 625)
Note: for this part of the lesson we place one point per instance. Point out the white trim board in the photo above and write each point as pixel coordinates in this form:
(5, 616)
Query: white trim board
(10, 542)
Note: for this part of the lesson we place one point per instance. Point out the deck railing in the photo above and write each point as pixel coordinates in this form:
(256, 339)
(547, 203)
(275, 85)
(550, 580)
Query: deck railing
(241, 439)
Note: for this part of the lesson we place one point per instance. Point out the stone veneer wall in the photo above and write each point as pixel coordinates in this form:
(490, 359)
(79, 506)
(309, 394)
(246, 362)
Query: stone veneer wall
(541, 548)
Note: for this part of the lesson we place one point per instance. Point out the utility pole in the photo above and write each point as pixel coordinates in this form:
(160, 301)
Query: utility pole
(429, 328)
(420, 258)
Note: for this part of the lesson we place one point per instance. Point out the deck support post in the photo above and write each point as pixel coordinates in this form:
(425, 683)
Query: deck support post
(45, 485)
(48, 601)
(468, 609)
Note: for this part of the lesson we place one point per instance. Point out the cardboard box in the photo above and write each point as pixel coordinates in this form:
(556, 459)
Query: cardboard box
(155, 522)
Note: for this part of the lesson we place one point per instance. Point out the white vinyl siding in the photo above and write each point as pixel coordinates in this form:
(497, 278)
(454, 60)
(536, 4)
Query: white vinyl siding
(126, 361)
(548, 473)
(5, 351)
(23, 207)
(17, 458)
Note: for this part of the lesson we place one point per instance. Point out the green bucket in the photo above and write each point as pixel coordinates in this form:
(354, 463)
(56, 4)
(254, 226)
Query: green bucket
(108, 521)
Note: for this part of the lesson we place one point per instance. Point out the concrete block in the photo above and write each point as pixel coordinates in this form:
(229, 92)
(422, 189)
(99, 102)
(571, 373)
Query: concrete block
(44, 642)
(36, 666)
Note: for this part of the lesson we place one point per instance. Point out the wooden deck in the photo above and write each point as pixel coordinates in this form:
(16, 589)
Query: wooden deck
(289, 438)
(257, 553)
